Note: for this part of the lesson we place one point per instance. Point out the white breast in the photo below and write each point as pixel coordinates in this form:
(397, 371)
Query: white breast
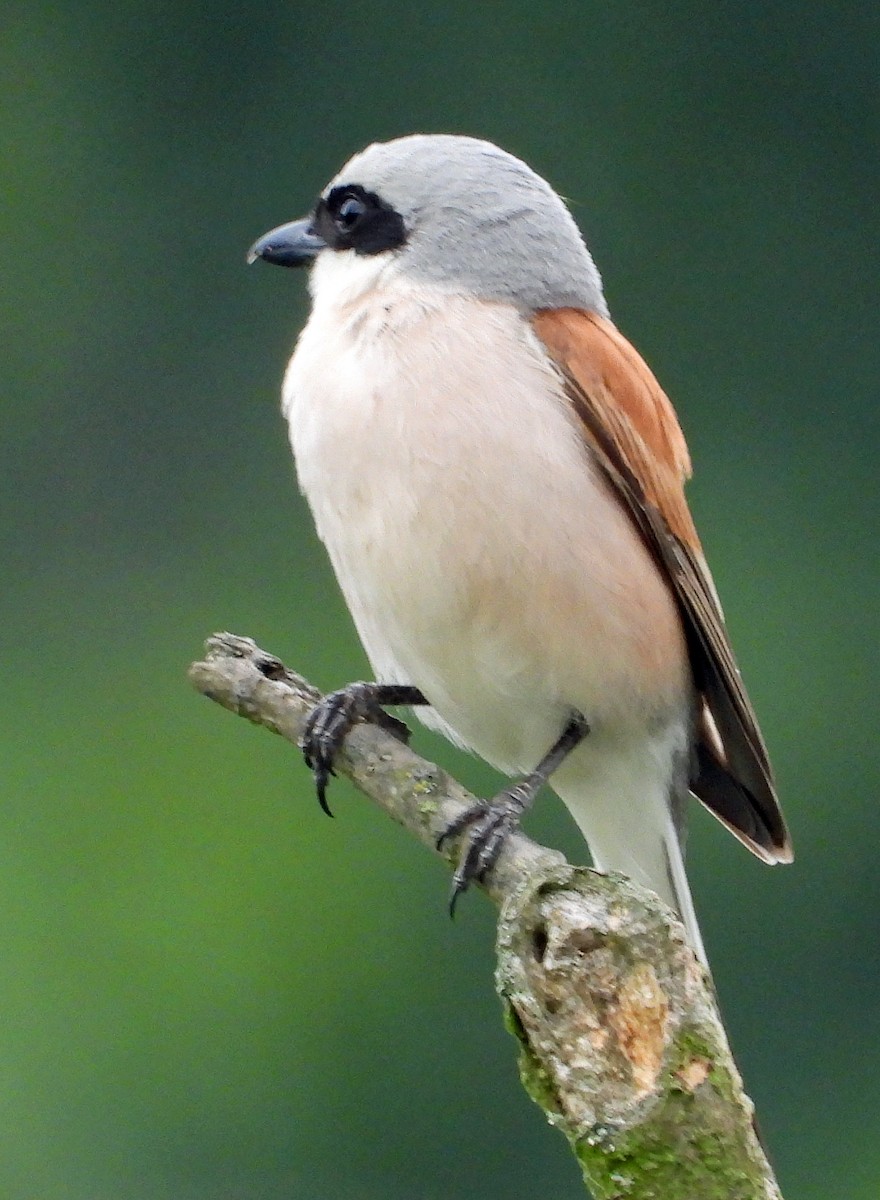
(482, 557)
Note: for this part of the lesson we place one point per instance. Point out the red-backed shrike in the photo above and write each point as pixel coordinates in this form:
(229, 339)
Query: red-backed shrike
(499, 481)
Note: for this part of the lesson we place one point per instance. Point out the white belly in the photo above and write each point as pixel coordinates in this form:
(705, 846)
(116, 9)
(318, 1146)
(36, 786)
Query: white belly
(482, 557)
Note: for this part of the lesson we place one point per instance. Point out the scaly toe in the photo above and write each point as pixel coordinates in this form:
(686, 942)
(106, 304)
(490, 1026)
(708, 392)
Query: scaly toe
(458, 824)
(487, 827)
(323, 734)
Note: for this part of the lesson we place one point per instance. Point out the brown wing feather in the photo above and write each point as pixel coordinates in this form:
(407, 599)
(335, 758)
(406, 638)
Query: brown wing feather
(633, 430)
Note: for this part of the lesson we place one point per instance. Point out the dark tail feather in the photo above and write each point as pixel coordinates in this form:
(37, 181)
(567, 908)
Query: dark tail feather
(736, 808)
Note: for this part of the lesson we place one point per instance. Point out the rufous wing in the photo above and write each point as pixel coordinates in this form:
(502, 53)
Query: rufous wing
(633, 432)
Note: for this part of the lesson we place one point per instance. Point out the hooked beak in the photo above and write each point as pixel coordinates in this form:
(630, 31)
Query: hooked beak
(291, 245)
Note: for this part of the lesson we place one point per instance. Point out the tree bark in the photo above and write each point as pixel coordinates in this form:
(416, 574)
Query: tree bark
(620, 1040)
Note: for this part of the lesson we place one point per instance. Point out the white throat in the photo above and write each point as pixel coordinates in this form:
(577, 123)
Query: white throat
(342, 277)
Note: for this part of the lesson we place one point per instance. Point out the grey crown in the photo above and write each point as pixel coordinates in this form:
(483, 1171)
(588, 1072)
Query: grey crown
(479, 220)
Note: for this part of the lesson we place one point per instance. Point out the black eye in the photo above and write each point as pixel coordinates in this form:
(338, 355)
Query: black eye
(351, 218)
(349, 213)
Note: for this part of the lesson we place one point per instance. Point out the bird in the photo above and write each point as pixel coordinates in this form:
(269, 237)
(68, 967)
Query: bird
(498, 479)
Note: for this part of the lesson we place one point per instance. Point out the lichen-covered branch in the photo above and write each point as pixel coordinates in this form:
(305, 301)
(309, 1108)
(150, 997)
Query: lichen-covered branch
(620, 1041)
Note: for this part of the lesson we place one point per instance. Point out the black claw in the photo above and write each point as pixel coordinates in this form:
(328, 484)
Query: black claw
(454, 893)
(466, 872)
(321, 780)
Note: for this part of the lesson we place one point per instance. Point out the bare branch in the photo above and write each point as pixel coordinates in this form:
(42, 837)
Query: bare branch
(620, 1039)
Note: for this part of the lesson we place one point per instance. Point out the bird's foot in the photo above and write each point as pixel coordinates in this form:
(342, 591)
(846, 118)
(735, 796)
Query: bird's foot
(487, 826)
(332, 717)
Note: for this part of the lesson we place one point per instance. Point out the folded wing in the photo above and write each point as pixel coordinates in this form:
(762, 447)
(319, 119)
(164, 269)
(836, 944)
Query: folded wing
(632, 429)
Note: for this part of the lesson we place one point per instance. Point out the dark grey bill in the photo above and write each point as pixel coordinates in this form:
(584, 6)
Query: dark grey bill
(292, 245)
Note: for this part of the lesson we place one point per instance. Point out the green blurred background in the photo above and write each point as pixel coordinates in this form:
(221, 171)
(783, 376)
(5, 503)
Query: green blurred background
(208, 991)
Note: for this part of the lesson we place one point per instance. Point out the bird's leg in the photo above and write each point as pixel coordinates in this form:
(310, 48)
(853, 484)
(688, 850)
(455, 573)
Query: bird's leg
(488, 823)
(332, 718)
